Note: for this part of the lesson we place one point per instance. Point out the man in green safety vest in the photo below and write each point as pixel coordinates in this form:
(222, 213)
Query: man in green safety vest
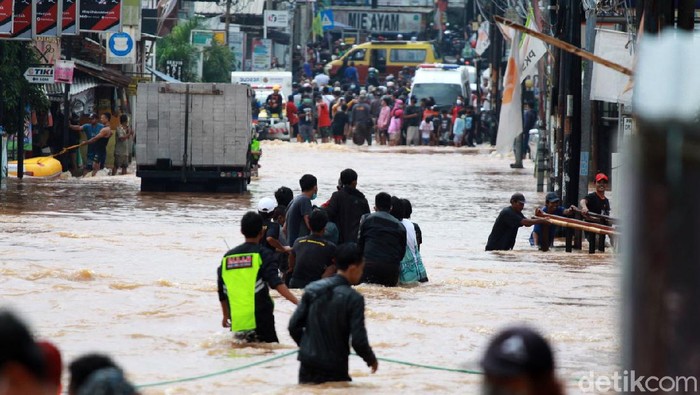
(244, 275)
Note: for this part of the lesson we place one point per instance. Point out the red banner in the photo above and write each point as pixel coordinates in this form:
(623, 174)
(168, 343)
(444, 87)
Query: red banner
(6, 7)
(22, 23)
(70, 17)
(100, 15)
(46, 18)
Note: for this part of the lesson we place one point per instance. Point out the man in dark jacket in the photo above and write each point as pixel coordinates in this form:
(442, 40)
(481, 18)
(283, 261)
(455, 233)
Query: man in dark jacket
(347, 206)
(330, 315)
(382, 239)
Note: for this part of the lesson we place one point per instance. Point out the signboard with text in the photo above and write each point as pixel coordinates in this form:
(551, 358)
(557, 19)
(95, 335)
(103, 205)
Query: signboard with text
(100, 15)
(39, 75)
(46, 17)
(6, 8)
(70, 19)
(380, 21)
(276, 18)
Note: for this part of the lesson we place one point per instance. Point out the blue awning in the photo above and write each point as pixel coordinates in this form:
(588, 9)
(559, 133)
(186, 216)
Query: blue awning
(162, 76)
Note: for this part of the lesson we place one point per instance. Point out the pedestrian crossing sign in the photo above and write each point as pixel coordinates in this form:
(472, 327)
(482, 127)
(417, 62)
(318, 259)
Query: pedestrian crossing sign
(327, 20)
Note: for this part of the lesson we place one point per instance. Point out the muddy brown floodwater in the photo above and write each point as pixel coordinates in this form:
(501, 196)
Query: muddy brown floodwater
(96, 265)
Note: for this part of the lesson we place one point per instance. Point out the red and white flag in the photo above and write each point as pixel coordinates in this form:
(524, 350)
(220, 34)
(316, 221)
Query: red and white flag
(510, 122)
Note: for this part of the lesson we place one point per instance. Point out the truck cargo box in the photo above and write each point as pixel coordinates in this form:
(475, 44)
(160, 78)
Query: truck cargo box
(193, 136)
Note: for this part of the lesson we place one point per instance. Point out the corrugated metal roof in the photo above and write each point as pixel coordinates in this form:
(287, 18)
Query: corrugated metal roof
(254, 7)
(162, 76)
(55, 91)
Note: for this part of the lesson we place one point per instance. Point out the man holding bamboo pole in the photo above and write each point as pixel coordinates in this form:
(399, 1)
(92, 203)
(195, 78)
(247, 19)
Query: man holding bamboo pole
(596, 202)
(543, 235)
(505, 229)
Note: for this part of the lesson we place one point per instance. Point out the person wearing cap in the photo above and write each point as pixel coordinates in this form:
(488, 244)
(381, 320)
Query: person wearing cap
(518, 360)
(505, 229)
(273, 103)
(271, 228)
(542, 236)
(596, 202)
(244, 276)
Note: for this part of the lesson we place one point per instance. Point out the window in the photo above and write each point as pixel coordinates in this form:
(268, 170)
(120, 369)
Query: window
(358, 54)
(407, 55)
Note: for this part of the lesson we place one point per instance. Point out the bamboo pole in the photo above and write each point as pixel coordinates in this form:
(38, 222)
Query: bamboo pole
(565, 46)
(583, 225)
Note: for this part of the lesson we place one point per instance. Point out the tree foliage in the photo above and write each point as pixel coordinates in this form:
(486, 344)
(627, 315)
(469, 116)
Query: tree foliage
(15, 58)
(176, 46)
(218, 60)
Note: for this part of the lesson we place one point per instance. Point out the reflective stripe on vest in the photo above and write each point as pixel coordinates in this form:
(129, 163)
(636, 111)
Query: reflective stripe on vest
(240, 273)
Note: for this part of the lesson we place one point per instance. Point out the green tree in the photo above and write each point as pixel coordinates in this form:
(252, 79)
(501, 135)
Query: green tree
(176, 46)
(218, 60)
(15, 58)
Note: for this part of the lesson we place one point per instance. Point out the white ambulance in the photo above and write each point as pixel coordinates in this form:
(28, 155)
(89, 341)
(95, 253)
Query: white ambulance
(442, 82)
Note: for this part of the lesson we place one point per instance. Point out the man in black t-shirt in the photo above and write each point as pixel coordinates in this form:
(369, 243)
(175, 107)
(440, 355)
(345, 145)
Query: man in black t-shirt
(312, 257)
(596, 202)
(505, 229)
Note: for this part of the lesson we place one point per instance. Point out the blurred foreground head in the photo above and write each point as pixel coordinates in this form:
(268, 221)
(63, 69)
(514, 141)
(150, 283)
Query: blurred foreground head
(519, 361)
(22, 366)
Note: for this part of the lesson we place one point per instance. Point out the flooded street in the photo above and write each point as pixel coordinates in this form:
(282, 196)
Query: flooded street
(96, 265)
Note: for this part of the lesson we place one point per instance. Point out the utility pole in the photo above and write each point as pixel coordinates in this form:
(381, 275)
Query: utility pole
(572, 136)
(586, 107)
(662, 276)
(228, 21)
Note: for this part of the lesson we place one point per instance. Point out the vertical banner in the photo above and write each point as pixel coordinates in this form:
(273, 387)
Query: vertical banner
(100, 15)
(6, 11)
(237, 46)
(21, 20)
(46, 18)
(510, 122)
(70, 20)
(262, 54)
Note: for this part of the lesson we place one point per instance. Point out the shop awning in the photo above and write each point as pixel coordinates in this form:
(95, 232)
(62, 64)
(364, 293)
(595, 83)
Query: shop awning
(80, 84)
(110, 76)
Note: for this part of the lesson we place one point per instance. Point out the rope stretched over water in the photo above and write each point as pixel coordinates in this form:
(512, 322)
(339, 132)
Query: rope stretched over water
(219, 373)
(284, 355)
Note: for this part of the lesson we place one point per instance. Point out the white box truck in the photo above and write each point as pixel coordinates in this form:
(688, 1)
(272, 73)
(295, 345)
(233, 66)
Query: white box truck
(193, 137)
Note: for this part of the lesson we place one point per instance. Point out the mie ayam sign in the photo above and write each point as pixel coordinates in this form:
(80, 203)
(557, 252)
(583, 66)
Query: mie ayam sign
(379, 21)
